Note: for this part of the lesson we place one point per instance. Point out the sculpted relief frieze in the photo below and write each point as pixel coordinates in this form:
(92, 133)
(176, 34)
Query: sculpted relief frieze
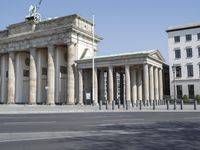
(42, 41)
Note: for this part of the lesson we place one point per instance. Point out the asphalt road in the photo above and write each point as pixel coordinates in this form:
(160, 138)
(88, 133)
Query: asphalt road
(97, 131)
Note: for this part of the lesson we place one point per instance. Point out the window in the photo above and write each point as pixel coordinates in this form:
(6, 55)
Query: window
(199, 51)
(178, 72)
(44, 71)
(198, 36)
(177, 39)
(63, 69)
(190, 70)
(189, 52)
(199, 69)
(188, 37)
(191, 91)
(177, 53)
(26, 73)
(179, 91)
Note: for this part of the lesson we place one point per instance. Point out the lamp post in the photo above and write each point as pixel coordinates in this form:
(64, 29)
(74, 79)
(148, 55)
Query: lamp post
(93, 97)
(174, 71)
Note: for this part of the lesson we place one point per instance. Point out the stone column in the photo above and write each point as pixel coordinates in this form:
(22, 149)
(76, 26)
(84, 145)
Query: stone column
(80, 93)
(33, 77)
(156, 96)
(102, 90)
(95, 86)
(160, 84)
(134, 85)
(39, 76)
(110, 84)
(146, 81)
(3, 78)
(51, 76)
(128, 80)
(139, 84)
(11, 78)
(151, 86)
(70, 74)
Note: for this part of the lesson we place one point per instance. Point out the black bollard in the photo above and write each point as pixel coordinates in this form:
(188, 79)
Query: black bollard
(168, 102)
(106, 104)
(154, 104)
(118, 103)
(174, 104)
(100, 104)
(132, 103)
(136, 103)
(195, 104)
(181, 104)
(113, 105)
(126, 104)
(140, 104)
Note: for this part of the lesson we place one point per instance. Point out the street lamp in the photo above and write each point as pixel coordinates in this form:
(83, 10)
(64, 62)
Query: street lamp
(174, 71)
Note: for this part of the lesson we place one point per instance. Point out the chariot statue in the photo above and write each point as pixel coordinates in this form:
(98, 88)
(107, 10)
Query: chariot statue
(34, 14)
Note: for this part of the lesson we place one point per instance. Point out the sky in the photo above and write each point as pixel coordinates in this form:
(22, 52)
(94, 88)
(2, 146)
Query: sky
(125, 25)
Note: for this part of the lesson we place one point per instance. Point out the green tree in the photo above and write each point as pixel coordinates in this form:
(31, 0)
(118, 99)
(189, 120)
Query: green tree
(185, 99)
(197, 97)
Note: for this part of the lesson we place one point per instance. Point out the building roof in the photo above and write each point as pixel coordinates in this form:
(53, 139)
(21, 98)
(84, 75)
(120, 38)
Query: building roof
(130, 54)
(183, 27)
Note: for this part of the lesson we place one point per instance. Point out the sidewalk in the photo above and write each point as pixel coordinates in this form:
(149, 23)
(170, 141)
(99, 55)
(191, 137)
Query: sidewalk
(39, 109)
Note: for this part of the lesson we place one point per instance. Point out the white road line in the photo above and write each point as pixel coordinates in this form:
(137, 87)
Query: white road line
(188, 118)
(33, 136)
(125, 119)
(29, 122)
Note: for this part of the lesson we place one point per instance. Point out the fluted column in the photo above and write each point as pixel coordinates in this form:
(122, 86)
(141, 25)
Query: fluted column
(33, 77)
(11, 78)
(3, 78)
(160, 84)
(134, 85)
(110, 84)
(128, 80)
(139, 84)
(156, 96)
(151, 87)
(146, 81)
(95, 86)
(51, 76)
(70, 74)
(80, 78)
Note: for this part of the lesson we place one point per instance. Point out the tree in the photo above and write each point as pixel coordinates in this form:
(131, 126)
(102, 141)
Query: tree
(185, 99)
(197, 98)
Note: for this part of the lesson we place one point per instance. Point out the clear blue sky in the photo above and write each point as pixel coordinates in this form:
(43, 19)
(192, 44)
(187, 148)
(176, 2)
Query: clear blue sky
(125, 25)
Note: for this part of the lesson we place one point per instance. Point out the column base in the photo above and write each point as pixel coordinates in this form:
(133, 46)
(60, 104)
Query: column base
(70, 103)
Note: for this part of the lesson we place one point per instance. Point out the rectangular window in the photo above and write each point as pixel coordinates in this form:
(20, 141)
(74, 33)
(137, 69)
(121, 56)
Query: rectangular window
(178, 72)
(188, 37)
(63, 69)
(191, 91)
(198, 36)
(26, 73)
(199, 69)
(199, 51)
(177, 53)
(190, 70)
(44, 71)
(179, 91)
(177, 39)
(189, 52)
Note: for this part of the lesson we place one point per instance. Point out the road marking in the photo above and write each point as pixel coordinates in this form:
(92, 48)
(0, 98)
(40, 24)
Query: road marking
(124, 123)
(124, 119)
(29, 122)
(33, 136)
(188, 118)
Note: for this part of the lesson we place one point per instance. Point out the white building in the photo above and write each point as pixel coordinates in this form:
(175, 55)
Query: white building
(184, 54)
